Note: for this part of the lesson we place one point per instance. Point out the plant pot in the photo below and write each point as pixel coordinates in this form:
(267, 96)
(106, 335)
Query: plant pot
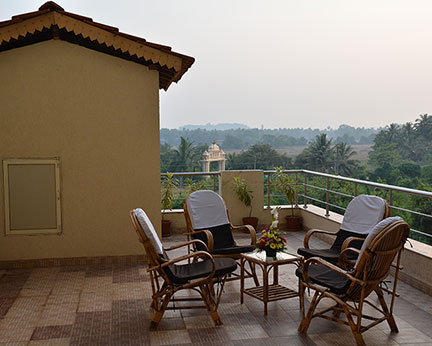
(253, 221)
(166, 228)
(270, 255)
(293, 223)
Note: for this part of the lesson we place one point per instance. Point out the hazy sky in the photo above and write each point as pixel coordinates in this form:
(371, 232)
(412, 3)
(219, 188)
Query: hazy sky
(282, 63)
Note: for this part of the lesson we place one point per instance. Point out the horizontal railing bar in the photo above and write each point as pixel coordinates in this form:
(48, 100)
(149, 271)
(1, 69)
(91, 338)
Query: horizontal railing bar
(358, 181)
(180, 174)
(411, 211)
(336, 206)
(422, 233)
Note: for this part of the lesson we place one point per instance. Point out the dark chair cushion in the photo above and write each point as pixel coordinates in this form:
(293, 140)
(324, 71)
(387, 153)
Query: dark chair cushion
(332, 254)
(326, 277)
(329, 255)
(183, 273)
(222, 237)
(234, 250)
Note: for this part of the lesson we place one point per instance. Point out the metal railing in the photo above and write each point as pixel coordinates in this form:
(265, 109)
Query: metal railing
(326, 190)
(308, 184)
(209, 181)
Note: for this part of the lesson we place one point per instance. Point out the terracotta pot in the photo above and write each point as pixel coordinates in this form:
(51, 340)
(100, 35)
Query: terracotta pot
(166, 228)
(293, 223)
(253, 221)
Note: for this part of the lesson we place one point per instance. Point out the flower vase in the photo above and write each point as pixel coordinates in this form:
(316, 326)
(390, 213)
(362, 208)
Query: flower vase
(270, 255)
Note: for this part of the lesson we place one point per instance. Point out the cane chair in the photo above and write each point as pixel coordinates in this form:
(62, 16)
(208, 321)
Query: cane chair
(207, 220)
(349, 289)
(361, 215)
(168, 276)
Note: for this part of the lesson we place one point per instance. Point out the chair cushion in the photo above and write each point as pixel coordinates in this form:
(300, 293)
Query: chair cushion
(149, 230)
(234, 250)
(332, 254)
(206, 209)
(183, 273)
(326, 277)
(222, 237)
(362, 213)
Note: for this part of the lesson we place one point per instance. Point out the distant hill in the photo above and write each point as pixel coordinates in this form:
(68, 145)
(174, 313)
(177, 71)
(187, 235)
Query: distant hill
(232, 136)
(219, 127)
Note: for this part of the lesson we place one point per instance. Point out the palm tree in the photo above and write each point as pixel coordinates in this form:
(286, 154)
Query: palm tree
(319, 154)
(184, 154)
(343, 165)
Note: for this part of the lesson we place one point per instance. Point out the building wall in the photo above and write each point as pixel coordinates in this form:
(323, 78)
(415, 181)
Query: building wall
(100, 115)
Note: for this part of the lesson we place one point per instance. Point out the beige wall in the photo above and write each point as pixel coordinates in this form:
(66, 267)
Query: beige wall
(98, 114)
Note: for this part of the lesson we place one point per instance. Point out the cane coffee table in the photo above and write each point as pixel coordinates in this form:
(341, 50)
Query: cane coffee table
(267, 292)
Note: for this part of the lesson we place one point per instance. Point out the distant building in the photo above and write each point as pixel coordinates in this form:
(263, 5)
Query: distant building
(213, 154)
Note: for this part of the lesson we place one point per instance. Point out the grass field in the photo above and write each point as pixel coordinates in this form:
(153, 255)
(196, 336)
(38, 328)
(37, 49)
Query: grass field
(362, 151)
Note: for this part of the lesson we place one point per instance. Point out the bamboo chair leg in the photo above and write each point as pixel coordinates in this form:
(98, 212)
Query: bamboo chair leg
(355, 327)
(211, 306)
(301, 290)
(304, 324)
(389, 316)
(160, 311)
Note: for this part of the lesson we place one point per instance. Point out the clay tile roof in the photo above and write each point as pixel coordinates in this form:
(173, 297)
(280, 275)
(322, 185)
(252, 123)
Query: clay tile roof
(51, 21)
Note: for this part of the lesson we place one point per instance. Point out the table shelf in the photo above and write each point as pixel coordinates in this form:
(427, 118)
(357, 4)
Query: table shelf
(275, 292)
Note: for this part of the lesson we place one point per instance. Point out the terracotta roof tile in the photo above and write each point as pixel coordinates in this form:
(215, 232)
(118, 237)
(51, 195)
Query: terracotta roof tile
(52, 19)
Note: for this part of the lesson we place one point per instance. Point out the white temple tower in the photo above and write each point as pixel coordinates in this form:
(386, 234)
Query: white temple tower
(214, 153)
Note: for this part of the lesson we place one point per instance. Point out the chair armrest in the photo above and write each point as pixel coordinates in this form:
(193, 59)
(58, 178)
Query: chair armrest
(209, 236)
(313, 231)
(251, 230)
(347, 242)
(343, 258)
(187, 243)
(198, 254)
(185, 257)
(329, 265)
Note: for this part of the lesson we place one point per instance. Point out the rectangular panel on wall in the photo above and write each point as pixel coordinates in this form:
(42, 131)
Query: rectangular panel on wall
(32, 196)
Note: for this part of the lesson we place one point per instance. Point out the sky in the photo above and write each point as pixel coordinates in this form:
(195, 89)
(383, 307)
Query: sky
(281, 63)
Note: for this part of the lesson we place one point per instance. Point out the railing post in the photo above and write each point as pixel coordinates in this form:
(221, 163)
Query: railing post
(327, 214)
(268, 191)
(390, 202)
(214, 183)
(296, 184)
(305, 193)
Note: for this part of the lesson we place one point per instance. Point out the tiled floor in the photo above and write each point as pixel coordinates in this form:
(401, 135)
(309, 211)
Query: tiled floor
(109, 305)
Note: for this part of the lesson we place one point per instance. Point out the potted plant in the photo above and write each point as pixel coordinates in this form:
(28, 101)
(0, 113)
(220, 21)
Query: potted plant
(245, 196)
(169, 184)
(288, 187)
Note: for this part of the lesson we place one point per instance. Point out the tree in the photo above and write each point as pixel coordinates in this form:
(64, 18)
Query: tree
(184, 154)
(319, 153)
(343, 165)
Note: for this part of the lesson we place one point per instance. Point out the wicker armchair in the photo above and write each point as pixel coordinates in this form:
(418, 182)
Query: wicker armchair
(168, 276)
(349, 289)
(207, 220)
(361, 215)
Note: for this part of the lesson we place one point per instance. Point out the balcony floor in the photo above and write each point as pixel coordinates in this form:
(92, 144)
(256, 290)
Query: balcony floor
(109, 305)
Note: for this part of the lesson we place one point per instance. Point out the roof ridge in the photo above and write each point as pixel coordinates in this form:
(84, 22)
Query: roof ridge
(51, 6)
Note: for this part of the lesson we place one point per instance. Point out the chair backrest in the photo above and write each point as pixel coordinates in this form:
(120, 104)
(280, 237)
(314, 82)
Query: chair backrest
(206, 209)
(147, 236)
(363, 213)
(379, 249)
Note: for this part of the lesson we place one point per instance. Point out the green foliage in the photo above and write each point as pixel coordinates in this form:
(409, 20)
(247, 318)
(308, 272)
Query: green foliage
(169, 184)
(286, 185)
(243, 193)
(259, 156)
(192, 186)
